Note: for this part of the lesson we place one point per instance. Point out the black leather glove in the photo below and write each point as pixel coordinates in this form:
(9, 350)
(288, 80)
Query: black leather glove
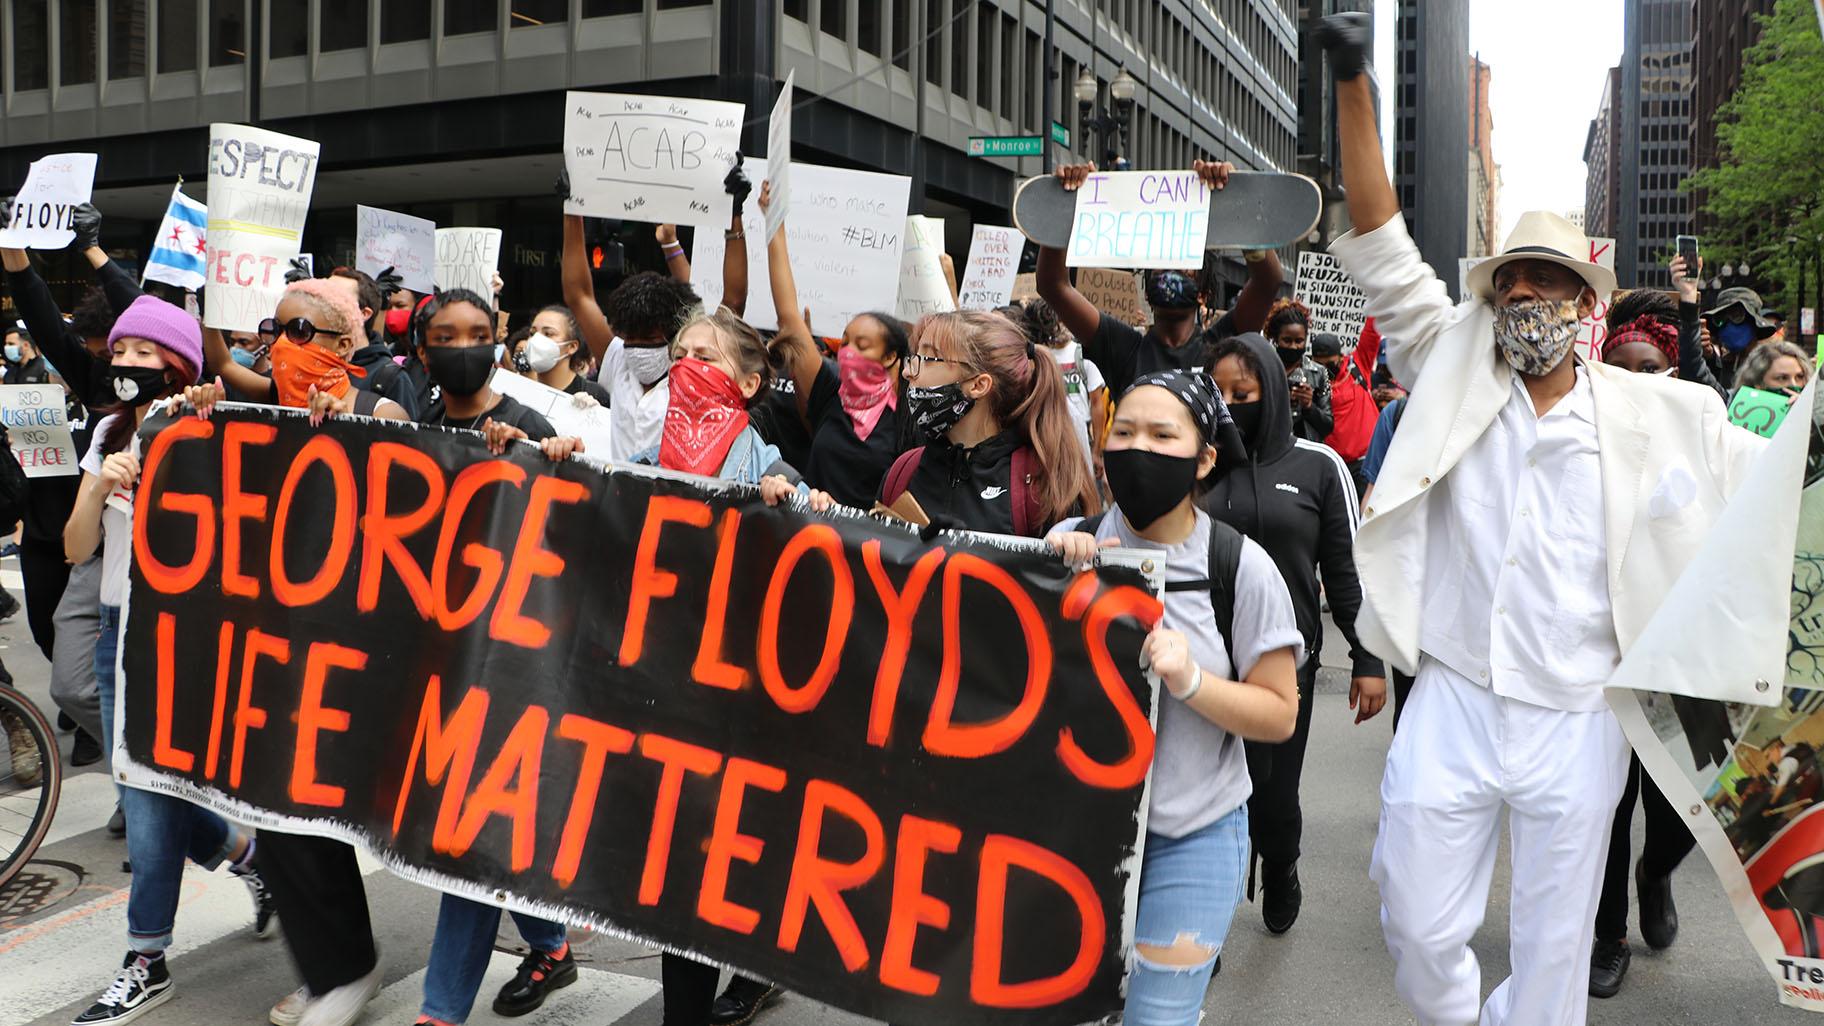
(1348, 39)
(736, 184)
(562, 188)
(389, 282)
(85, 221)
(6, 210)
(297, 272)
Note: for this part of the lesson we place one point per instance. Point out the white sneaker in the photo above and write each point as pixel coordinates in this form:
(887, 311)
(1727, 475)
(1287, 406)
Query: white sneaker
(290, 1008)
(342, 1006)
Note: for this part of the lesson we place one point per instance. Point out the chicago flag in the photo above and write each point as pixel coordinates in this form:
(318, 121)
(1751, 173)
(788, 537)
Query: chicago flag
(177, 252)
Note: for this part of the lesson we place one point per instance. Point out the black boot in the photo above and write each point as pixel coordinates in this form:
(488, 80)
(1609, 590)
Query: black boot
(1658, 915)
(1609, 962)
(540, 973)
(1280, 897)
(741, 1001)
(85, 750)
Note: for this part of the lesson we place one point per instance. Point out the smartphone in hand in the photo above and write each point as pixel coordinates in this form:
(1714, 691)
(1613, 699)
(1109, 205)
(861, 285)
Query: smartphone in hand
(1687, 248)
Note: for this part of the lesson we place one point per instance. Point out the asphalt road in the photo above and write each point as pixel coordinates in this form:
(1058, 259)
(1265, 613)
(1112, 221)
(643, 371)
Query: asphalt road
(62, 936)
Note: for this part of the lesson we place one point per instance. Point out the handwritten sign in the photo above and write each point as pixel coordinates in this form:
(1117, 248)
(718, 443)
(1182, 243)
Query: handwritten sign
(650, 158)
(38, 425)
(259, 194)
(407, 244)
(42, 210)
(1115, 293)
(922, 287)
(1140, 219)
(587, 422)
(1025, 287)
(994, 260)
(1593, 330)
(1758, 411)
(468, 258)
(779, 158)
(1337, 305)
(844, 236)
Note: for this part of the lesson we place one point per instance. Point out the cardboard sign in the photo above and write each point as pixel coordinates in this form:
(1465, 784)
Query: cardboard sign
(590, 423)
(1338, 306)
(45, 205)
(1147, 219)
(650, 158)
(1116, 293)
(468, 258)
(994, 260)
(259, 194)
(779, 159)
(38, 425)
(774, 739)
(1025, 287)
(844, 237)
(1758, 411)
(407, 244)
(923, 288)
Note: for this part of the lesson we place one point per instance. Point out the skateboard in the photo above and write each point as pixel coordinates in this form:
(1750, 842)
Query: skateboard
(1257, 209)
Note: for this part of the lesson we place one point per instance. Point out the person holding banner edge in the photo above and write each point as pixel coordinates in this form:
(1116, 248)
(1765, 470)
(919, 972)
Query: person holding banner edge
(1531, 514)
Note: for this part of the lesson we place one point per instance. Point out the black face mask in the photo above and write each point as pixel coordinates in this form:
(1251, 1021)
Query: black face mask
(1148, 485)
(936, 410)
(137, 386)
(1247, 420)
(1290, 356)
(460, 370)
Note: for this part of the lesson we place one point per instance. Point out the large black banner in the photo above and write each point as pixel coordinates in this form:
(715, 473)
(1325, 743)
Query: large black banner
(904, 779)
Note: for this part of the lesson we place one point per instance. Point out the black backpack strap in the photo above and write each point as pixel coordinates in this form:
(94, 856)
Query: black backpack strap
(366, 402)
(1225, 563)
(1089, 524)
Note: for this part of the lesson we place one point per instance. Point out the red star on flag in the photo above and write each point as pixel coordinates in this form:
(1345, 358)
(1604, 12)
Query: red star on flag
(177, 236)
(199, 244)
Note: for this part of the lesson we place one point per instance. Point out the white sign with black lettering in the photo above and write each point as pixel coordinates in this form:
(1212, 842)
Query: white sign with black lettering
(38, 426)
(659, 159)
(44, 206)
(1338, 306)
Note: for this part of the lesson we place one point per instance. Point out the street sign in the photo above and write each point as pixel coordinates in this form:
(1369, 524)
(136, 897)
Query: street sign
(1006, 146)
(1061, 135)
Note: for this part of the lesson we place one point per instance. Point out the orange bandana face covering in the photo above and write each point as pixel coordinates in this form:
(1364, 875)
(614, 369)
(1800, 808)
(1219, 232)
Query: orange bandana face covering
(297, 367)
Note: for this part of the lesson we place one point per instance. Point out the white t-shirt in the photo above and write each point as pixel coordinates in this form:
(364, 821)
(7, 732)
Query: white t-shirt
(1081, 379)
(638, 413)
(116, 521)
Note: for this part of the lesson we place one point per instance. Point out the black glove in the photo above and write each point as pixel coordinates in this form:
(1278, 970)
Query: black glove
(389, 282)
(737, 185)
(1348, 39)
(298, 271)
(85, 221)
(6, 211)
(562, 187)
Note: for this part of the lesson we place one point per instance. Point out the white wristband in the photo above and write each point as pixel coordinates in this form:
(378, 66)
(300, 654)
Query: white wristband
(1196, 685)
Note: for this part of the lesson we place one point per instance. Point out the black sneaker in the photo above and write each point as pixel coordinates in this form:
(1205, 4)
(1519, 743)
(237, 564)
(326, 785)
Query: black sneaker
(1658, 912)
(85, 750)
(265, 910)
(141, 985)
(1609, 961)
(1281, 896)
(540, 973)
(741, 1001)
(64, 723)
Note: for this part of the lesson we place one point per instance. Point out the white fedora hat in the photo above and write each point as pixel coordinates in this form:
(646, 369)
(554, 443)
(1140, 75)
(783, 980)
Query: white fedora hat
(1544, 236)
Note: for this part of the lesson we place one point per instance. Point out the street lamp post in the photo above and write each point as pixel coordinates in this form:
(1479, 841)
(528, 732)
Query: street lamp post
(1112, 127)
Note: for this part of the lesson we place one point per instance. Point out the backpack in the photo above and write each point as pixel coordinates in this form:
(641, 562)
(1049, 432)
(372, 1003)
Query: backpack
(1225, 564)
(1027, 516)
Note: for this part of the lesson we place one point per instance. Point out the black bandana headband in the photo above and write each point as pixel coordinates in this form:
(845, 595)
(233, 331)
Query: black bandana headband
(1211, 415)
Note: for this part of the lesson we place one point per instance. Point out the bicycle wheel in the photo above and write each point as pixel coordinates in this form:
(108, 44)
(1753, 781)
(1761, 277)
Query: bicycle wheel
(31, 777)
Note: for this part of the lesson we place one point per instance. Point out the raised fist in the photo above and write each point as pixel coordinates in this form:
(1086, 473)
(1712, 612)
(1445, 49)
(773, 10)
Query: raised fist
(1348, 39)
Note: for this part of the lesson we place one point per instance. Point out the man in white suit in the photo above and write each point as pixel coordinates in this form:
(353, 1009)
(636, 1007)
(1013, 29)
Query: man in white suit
(1532, 512)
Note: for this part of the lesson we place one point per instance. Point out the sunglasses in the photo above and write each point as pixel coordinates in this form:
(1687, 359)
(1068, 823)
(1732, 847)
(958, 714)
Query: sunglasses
(298, 329)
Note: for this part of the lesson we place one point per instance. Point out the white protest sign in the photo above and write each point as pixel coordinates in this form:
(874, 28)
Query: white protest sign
(1147, 219)
(844, 237)
(922, 287)
(779, 159)
(994, 261)
(1338, 307)
(407, 244)
(54, 187)
(259, 193)
(589, 423)
(468, 258)
(38, 424)
(1593, 330)
(650, 158)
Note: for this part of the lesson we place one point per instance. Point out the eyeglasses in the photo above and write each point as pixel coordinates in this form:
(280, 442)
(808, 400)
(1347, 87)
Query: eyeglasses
(298, 329)
(916, 363)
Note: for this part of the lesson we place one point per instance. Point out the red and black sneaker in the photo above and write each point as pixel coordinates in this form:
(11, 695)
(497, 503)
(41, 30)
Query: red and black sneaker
(540, 973)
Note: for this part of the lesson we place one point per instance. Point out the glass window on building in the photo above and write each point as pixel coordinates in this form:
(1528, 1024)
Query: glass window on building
(227, 32)
(539, 12)
(1010, 68)
(77, 42)
(902, 33)
(342, 25)
(833, 17)
(31, 44)
(869, 27)
(799, 10)
(958, 31)
(126, 38)
(405, 21)
(984, 48)
(176, 36)
(288, 32)
(933, 41)
(668, 5)
(461, 17)
(608, 8)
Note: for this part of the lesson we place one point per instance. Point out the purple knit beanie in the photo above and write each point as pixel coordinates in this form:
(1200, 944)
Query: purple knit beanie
(159, 322)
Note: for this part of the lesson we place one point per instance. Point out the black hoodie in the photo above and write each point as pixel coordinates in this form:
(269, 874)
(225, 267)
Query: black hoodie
(1296, 500)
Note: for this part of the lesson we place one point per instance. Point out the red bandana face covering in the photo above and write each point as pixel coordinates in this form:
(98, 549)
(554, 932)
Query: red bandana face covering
(704, 416)
(866, 391)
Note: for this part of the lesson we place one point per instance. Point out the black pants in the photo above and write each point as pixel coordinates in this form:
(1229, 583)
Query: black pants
(322, 907)
(42, 565)
(1668, 841)
(1275, 821)
(1402, 691)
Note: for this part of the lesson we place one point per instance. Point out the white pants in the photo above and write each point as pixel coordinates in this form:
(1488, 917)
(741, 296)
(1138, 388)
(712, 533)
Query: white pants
(1461, 753)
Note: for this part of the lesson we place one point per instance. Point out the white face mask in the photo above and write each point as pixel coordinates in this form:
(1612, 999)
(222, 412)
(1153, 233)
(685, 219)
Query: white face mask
(647, 364)
(542, 352)
(1534, 335)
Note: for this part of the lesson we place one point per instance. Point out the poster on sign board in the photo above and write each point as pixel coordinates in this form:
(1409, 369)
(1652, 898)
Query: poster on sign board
(659, 159)
(259, 195)
(407, 244)
(994, 261)
(44, 207)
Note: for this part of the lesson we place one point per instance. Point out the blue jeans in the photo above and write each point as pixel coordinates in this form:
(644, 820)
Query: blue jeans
(460, 950)
(162, 830)
(1189, 889)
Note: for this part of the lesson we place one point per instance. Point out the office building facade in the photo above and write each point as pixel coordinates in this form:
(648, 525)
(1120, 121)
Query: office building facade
(1431, 128)
(1655, 140)
(1722, 33)
(1484, 212)
(1602, 186)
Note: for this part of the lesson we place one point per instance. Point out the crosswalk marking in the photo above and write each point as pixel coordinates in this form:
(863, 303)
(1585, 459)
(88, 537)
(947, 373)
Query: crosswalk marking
(597, 997)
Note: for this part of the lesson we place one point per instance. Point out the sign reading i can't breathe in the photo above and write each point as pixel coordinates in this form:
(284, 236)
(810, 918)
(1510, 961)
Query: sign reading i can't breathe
(1144, 219)
(903, 779)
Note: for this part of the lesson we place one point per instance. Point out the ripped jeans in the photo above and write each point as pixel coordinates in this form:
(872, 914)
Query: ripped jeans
(1190, 887)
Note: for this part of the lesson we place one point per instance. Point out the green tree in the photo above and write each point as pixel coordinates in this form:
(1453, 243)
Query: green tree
(1766, 200)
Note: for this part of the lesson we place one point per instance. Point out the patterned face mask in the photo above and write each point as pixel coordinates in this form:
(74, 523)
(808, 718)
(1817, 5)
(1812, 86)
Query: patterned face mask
(1535, 335)
(936, 410)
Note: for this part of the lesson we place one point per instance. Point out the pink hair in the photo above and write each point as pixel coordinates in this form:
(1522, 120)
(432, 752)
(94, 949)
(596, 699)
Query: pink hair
(336, 299)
